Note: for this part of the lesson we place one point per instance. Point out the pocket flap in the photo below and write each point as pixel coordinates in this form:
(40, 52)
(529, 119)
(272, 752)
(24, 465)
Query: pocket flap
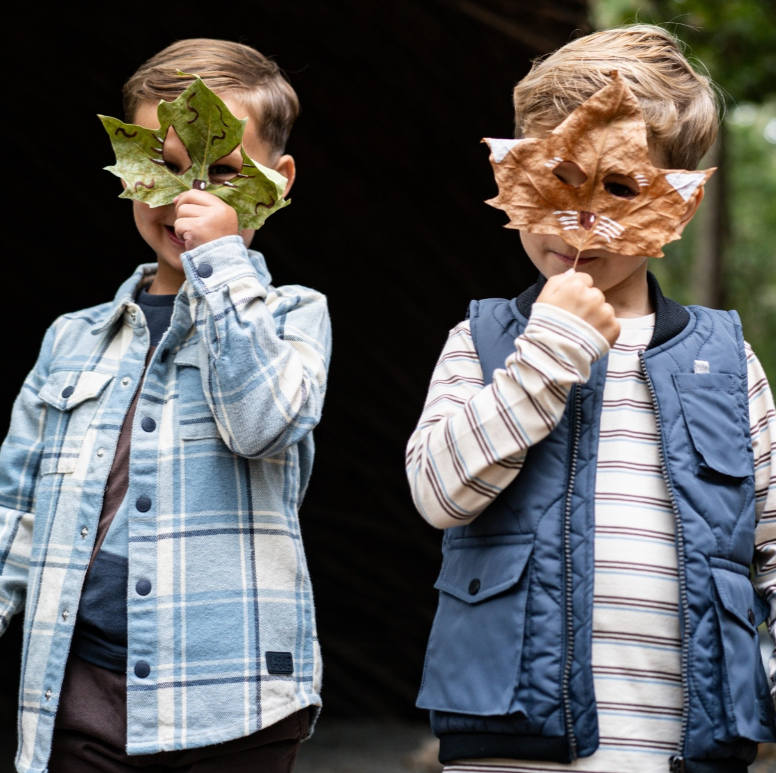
(711, 413)
(65, 389)
(737, 595)
(474, 573)
(188, 357)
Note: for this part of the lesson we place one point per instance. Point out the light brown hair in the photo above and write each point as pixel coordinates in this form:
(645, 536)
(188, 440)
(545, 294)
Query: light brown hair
(681, 105)
(227, 68)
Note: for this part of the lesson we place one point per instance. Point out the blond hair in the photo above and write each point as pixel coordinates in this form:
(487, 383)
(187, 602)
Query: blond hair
(227, 68)
(681, 106)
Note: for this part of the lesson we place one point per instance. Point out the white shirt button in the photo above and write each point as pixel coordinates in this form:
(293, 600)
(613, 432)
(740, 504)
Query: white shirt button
(49, 693)
(84, 532)
(100, 453)
(126, 381)
(65, 614)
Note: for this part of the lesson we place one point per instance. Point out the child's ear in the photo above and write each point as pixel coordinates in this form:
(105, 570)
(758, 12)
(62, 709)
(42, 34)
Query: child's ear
(692, 208)
(287, 167)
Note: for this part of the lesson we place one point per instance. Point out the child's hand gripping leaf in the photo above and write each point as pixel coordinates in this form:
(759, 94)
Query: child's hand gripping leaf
(209, 132)
(590, 181)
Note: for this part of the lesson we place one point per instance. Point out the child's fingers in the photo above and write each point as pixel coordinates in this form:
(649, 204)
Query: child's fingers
(191, 210)
(196, 197)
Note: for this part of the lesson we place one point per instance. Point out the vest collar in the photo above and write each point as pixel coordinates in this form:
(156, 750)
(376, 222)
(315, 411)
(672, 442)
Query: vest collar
(670, 317)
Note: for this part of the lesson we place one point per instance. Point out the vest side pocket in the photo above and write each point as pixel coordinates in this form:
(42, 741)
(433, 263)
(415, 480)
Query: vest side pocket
(747, 704)
(473, 656)
(714, 423)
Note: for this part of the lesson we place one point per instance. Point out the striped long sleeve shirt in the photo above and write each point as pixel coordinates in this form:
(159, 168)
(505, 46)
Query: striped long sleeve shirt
(470, 444)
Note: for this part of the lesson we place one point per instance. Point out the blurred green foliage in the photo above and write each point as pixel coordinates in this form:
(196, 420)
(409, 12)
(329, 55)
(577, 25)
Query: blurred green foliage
(736, 42)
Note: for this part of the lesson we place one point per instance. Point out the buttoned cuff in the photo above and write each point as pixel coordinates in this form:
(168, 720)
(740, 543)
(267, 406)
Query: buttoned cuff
(218, 264)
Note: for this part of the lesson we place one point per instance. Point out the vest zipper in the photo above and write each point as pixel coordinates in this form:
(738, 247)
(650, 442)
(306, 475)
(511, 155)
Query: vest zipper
(568, 575)
(676, 762)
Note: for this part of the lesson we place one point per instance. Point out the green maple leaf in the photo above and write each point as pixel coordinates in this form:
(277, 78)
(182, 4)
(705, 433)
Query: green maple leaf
(209, 132)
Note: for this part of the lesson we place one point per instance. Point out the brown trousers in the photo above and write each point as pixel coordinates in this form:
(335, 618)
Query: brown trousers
(91, 730)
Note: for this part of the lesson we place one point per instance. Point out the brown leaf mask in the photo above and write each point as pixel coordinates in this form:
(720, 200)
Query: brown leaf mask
(590, 181)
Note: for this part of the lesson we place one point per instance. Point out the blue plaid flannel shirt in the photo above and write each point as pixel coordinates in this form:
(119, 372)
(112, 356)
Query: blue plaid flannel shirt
(235, 388)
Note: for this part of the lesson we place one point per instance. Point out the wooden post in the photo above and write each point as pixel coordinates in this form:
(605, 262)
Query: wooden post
(708, 286)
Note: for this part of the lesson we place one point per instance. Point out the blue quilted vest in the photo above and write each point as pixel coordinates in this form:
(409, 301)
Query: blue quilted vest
(508, 667)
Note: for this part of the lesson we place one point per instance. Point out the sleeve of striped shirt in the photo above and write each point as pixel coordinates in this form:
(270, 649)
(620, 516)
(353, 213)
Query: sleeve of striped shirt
(762, 417)
(20, 459)
(472, 439)
(264, 351)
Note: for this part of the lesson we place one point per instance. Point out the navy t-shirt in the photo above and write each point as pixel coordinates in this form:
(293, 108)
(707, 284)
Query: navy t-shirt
(158, 313)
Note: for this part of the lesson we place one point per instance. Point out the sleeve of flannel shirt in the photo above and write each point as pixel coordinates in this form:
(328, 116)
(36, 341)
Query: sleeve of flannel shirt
(264, 351)
(20, 457)
(762, 418)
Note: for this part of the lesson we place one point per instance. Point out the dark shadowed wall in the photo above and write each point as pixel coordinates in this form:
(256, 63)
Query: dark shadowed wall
(387, 219)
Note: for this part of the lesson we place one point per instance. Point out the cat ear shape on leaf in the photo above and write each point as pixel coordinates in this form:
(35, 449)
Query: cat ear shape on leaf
(209, 133)
(590, 181)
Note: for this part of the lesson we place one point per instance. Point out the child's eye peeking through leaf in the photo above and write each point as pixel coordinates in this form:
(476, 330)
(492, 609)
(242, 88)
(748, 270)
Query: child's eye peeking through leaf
(198, 144)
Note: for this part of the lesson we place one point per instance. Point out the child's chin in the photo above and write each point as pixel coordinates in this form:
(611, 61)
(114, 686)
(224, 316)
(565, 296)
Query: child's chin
(172, 258)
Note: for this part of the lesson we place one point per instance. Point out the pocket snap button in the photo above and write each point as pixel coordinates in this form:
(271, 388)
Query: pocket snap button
(474, 587)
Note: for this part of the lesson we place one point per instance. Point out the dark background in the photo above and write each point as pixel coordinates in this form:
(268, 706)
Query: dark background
(387, 219)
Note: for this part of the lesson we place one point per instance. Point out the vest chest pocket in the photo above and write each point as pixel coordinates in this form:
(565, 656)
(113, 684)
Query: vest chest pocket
(714, 422)
(473, 657)
(745, 694)
(196, 422)
(73, 396)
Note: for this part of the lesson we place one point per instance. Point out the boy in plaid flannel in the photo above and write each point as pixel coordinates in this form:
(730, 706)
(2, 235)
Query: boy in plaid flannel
(151, 479)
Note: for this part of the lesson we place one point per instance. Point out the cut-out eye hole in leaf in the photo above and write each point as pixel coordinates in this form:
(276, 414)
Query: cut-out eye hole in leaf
(590, 181)
(197, 146)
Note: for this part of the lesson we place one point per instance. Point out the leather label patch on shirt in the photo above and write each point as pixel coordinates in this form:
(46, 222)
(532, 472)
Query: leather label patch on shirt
(280, 662)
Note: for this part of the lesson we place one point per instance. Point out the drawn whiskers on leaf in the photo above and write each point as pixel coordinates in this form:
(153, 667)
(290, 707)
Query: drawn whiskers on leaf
(569, 219)
(553, 162)
(641, 180)
(608, 228)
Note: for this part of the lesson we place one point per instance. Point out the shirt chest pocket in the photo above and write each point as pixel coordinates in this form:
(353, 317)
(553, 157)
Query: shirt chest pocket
(195, 420)
(73, 398)
(715, 423)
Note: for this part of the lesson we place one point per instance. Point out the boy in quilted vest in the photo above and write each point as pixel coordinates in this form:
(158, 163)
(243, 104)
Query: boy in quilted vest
(602, 460)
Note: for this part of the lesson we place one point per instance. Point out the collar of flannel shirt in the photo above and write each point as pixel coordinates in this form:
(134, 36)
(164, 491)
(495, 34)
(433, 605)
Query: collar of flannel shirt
(144, 275)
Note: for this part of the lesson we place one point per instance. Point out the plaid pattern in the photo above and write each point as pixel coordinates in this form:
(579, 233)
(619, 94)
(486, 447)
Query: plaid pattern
(235, 388)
